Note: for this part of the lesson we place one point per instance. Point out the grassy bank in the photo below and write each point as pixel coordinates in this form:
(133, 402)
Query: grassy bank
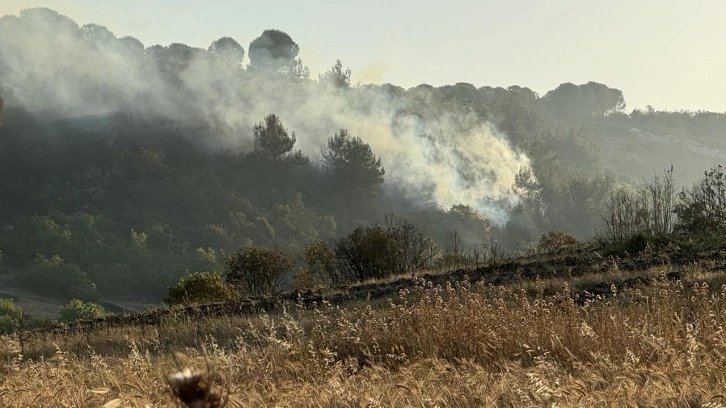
(661, 343)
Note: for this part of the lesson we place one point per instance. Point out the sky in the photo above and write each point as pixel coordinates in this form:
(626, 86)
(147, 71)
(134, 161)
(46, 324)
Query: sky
(664, 53)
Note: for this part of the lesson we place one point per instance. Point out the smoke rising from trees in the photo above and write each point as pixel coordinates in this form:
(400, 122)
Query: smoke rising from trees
(50, 66)
(123, 166)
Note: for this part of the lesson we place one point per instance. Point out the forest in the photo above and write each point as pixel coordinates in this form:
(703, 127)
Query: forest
(125, 167)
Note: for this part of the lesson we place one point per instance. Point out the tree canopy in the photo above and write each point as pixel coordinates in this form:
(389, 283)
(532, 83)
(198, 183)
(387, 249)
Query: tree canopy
(569, 100)
(273, 51)
(228, 52)
(336, 76)
(272, 139)
(352, 162)
(123, 168)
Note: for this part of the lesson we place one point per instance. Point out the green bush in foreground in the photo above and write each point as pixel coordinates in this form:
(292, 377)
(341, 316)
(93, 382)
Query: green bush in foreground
(11, 315)
(80, 310)
(200, 287)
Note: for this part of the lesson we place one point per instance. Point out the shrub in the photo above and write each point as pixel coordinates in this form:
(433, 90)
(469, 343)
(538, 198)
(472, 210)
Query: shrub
(257, 270)
(319, 267)
(80, 310)
(648, 209)
(11, 316)
(200, 287)
(703, 206)
(555, 241)
(636, 243)
(379, 251)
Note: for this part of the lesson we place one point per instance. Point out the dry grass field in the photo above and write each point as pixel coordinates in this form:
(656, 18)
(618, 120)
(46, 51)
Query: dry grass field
(659, 344)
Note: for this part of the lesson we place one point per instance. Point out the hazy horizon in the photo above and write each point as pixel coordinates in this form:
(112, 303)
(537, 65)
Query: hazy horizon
(659, 56)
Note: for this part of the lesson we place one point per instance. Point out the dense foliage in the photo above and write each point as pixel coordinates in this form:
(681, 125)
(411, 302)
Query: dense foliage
(80, 310)
(200, 288)
(379, 251)
(257, 270)
(702, 208)
(11, 316)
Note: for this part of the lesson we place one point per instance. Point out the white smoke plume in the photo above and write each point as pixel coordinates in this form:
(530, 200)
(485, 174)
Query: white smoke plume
(51, 66)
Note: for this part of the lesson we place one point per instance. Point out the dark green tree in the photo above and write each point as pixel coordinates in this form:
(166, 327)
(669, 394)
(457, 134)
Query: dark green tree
(53, 277)
(352, 163)
(272, 140)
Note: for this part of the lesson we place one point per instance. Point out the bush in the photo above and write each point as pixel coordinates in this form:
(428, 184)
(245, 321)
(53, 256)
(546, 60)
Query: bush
(319, 267)
(257, 270)
(703, 206)
(377, 252)
(80, 310)
(555, 241)
(647, 210)
(636, 243)
(11, 316)
(200, 287)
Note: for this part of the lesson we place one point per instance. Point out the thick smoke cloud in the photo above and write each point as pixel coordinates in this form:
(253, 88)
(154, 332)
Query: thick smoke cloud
(51, 66)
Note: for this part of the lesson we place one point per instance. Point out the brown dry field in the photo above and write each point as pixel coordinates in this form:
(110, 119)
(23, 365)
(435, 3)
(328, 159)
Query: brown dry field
(658, 344)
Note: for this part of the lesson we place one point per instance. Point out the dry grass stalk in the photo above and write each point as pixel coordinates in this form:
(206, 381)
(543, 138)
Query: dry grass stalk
(465, 345)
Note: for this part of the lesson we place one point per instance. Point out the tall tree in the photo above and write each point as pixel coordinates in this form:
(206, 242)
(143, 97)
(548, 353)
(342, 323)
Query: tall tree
(273, 51)
(570, 101)
(228, 52)
(174, 59)
(605, 99)
(336, 76)
(272, 139)
(352, 162)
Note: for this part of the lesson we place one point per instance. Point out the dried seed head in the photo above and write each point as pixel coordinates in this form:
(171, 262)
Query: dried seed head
(194, 389)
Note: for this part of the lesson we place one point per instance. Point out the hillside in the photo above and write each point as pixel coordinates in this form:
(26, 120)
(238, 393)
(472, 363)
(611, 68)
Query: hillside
(117, 181)
(569, 329)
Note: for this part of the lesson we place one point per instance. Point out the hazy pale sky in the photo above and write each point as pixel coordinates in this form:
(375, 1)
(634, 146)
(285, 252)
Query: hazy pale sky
(665, 53)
